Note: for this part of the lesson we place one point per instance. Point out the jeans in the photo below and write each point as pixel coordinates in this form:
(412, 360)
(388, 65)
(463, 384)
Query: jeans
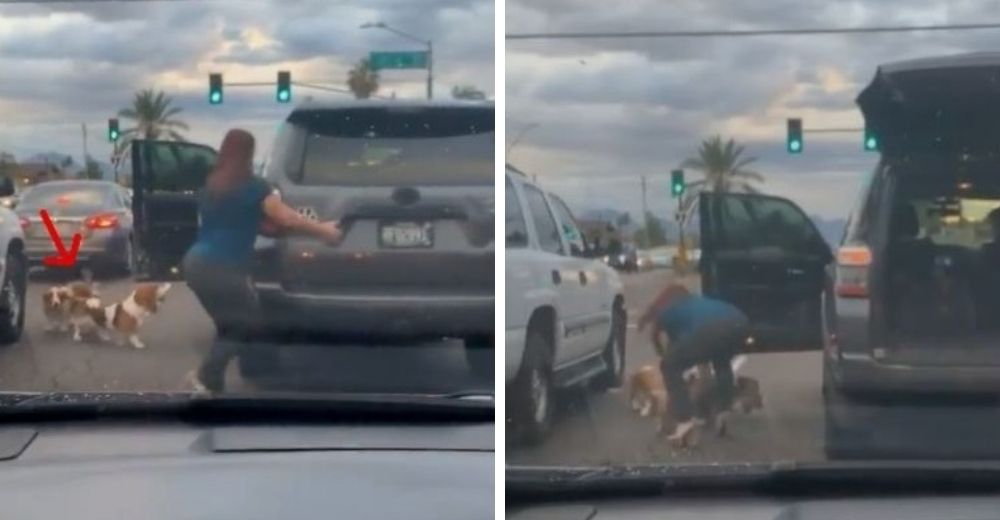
(716, 343)
(226, 293)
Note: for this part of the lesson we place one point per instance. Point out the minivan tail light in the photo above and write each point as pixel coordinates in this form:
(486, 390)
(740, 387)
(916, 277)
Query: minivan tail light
(102, 221)
(853, 265)
(25, 223)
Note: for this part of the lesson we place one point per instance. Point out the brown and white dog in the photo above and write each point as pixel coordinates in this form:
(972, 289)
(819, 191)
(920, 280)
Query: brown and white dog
(65, 307)
(648, 394)
(123, 319)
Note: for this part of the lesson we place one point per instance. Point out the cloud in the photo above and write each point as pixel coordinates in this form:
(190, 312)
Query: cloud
(610, 110)
(68, 63)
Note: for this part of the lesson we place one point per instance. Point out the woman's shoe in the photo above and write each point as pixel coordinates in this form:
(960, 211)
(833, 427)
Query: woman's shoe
(685, 434)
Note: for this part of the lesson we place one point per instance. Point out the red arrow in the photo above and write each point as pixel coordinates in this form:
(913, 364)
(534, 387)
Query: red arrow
(63, 258)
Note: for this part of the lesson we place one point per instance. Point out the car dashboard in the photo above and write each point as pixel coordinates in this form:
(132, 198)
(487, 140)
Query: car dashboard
(174, 470)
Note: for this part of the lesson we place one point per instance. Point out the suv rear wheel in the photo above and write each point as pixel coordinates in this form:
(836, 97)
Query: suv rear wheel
(12, 294)
(530, 397)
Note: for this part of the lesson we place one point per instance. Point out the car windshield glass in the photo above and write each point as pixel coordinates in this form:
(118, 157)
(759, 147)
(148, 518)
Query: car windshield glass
(792, 213)
(393, 147)
(247, 197)
(68, 198)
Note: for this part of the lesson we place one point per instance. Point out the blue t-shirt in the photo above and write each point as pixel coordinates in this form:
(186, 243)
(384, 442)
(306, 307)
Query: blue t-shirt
(689, 314)
(230, 222)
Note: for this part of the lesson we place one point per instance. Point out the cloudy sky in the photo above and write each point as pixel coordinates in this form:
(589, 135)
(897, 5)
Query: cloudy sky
(67, 63)
(609, 111)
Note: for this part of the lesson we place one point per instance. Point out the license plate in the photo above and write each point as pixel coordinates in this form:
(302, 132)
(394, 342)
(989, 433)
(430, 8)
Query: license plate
(406, 235)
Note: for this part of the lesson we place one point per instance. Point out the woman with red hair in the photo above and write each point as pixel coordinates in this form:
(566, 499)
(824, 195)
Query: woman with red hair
(234, 207)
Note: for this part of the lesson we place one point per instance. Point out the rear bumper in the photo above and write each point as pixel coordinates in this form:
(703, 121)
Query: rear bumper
(860, 373)
(92, 251)
(367, 315)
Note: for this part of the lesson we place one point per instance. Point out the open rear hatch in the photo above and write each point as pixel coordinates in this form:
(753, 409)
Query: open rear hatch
(947, 104)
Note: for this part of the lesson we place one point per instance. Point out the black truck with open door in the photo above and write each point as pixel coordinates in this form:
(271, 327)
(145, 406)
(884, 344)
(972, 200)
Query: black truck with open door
(166, 177)
(764, 255)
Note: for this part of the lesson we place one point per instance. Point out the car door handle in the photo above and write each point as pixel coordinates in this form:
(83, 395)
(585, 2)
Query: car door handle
(583, 278)
(556, 278)
(794, 271)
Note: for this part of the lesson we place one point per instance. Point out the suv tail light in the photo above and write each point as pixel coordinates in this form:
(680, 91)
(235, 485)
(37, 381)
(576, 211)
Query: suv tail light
(102, 221)
(853, 264)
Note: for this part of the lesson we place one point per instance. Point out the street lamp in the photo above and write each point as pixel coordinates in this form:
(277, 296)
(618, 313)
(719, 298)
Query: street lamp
(408, 36)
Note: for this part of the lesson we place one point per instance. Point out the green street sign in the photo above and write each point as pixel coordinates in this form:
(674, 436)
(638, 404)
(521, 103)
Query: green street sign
(398, 60)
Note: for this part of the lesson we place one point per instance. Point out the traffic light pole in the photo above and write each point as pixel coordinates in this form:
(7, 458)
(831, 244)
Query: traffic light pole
(645, 215)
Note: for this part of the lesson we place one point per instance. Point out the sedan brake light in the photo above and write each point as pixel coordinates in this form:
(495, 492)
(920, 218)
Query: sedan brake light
(102, 221)
(853, 265)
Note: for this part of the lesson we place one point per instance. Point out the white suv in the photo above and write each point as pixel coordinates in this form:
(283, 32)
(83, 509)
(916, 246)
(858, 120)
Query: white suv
(566, 318)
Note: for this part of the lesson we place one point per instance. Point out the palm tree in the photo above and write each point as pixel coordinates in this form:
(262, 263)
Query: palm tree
(153, 116)
(723, 166)
(362, 80)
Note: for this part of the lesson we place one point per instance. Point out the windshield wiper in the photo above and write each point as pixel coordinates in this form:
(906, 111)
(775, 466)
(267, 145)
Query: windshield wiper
(530, 484)
(256, 407)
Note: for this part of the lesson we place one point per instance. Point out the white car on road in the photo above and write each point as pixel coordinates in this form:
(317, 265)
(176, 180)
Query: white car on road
(565, 312)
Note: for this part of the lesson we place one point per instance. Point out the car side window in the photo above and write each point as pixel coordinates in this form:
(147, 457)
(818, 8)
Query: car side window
(179, 168)
(514, 225)
(779, 223)
(549, 238)
(577, 247)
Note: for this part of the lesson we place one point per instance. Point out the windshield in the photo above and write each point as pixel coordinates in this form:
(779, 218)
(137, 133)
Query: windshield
(150, 250)
(792, 220)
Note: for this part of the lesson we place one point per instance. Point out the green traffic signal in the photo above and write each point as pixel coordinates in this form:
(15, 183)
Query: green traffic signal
(794, 140)
(871, 140)
(113, 132)
(215, 89)
(284, 93)
(677, 183)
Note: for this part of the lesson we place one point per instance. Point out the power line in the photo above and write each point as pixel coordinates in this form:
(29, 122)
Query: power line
(749, 32)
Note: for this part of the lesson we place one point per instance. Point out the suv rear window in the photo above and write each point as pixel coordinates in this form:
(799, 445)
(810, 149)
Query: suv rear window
(396, 146)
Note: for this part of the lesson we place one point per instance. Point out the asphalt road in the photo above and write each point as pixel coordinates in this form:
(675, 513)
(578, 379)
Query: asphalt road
(599, 429)
(180, 333)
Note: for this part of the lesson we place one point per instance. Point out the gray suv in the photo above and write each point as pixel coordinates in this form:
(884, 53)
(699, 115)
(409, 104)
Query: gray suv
(906, 312)
(411, 183)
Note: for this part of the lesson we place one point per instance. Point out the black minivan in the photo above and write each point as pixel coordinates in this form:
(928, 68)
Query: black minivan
(411, 183)
(907, 311)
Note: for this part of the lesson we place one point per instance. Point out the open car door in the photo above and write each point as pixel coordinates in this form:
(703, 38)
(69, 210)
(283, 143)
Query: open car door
(166, 176)
(764, 255)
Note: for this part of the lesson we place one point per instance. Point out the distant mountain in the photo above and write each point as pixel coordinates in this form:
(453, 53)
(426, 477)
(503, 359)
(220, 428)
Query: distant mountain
(49, 157)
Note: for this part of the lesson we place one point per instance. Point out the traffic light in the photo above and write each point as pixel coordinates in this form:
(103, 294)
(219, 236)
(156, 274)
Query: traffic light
(795, 143)
(113, 132)
(215, 89)
(677, 183)
(871, 140)
(284, 93)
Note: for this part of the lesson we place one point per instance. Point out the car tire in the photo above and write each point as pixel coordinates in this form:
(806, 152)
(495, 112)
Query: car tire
(614, 353)
(530, 396)
(480, 356)
(839, 442)
(128, 261)
(12, 295)
(257, 363)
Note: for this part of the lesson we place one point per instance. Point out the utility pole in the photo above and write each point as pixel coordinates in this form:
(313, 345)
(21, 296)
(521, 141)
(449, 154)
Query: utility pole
(83, 127)
(645, 218)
